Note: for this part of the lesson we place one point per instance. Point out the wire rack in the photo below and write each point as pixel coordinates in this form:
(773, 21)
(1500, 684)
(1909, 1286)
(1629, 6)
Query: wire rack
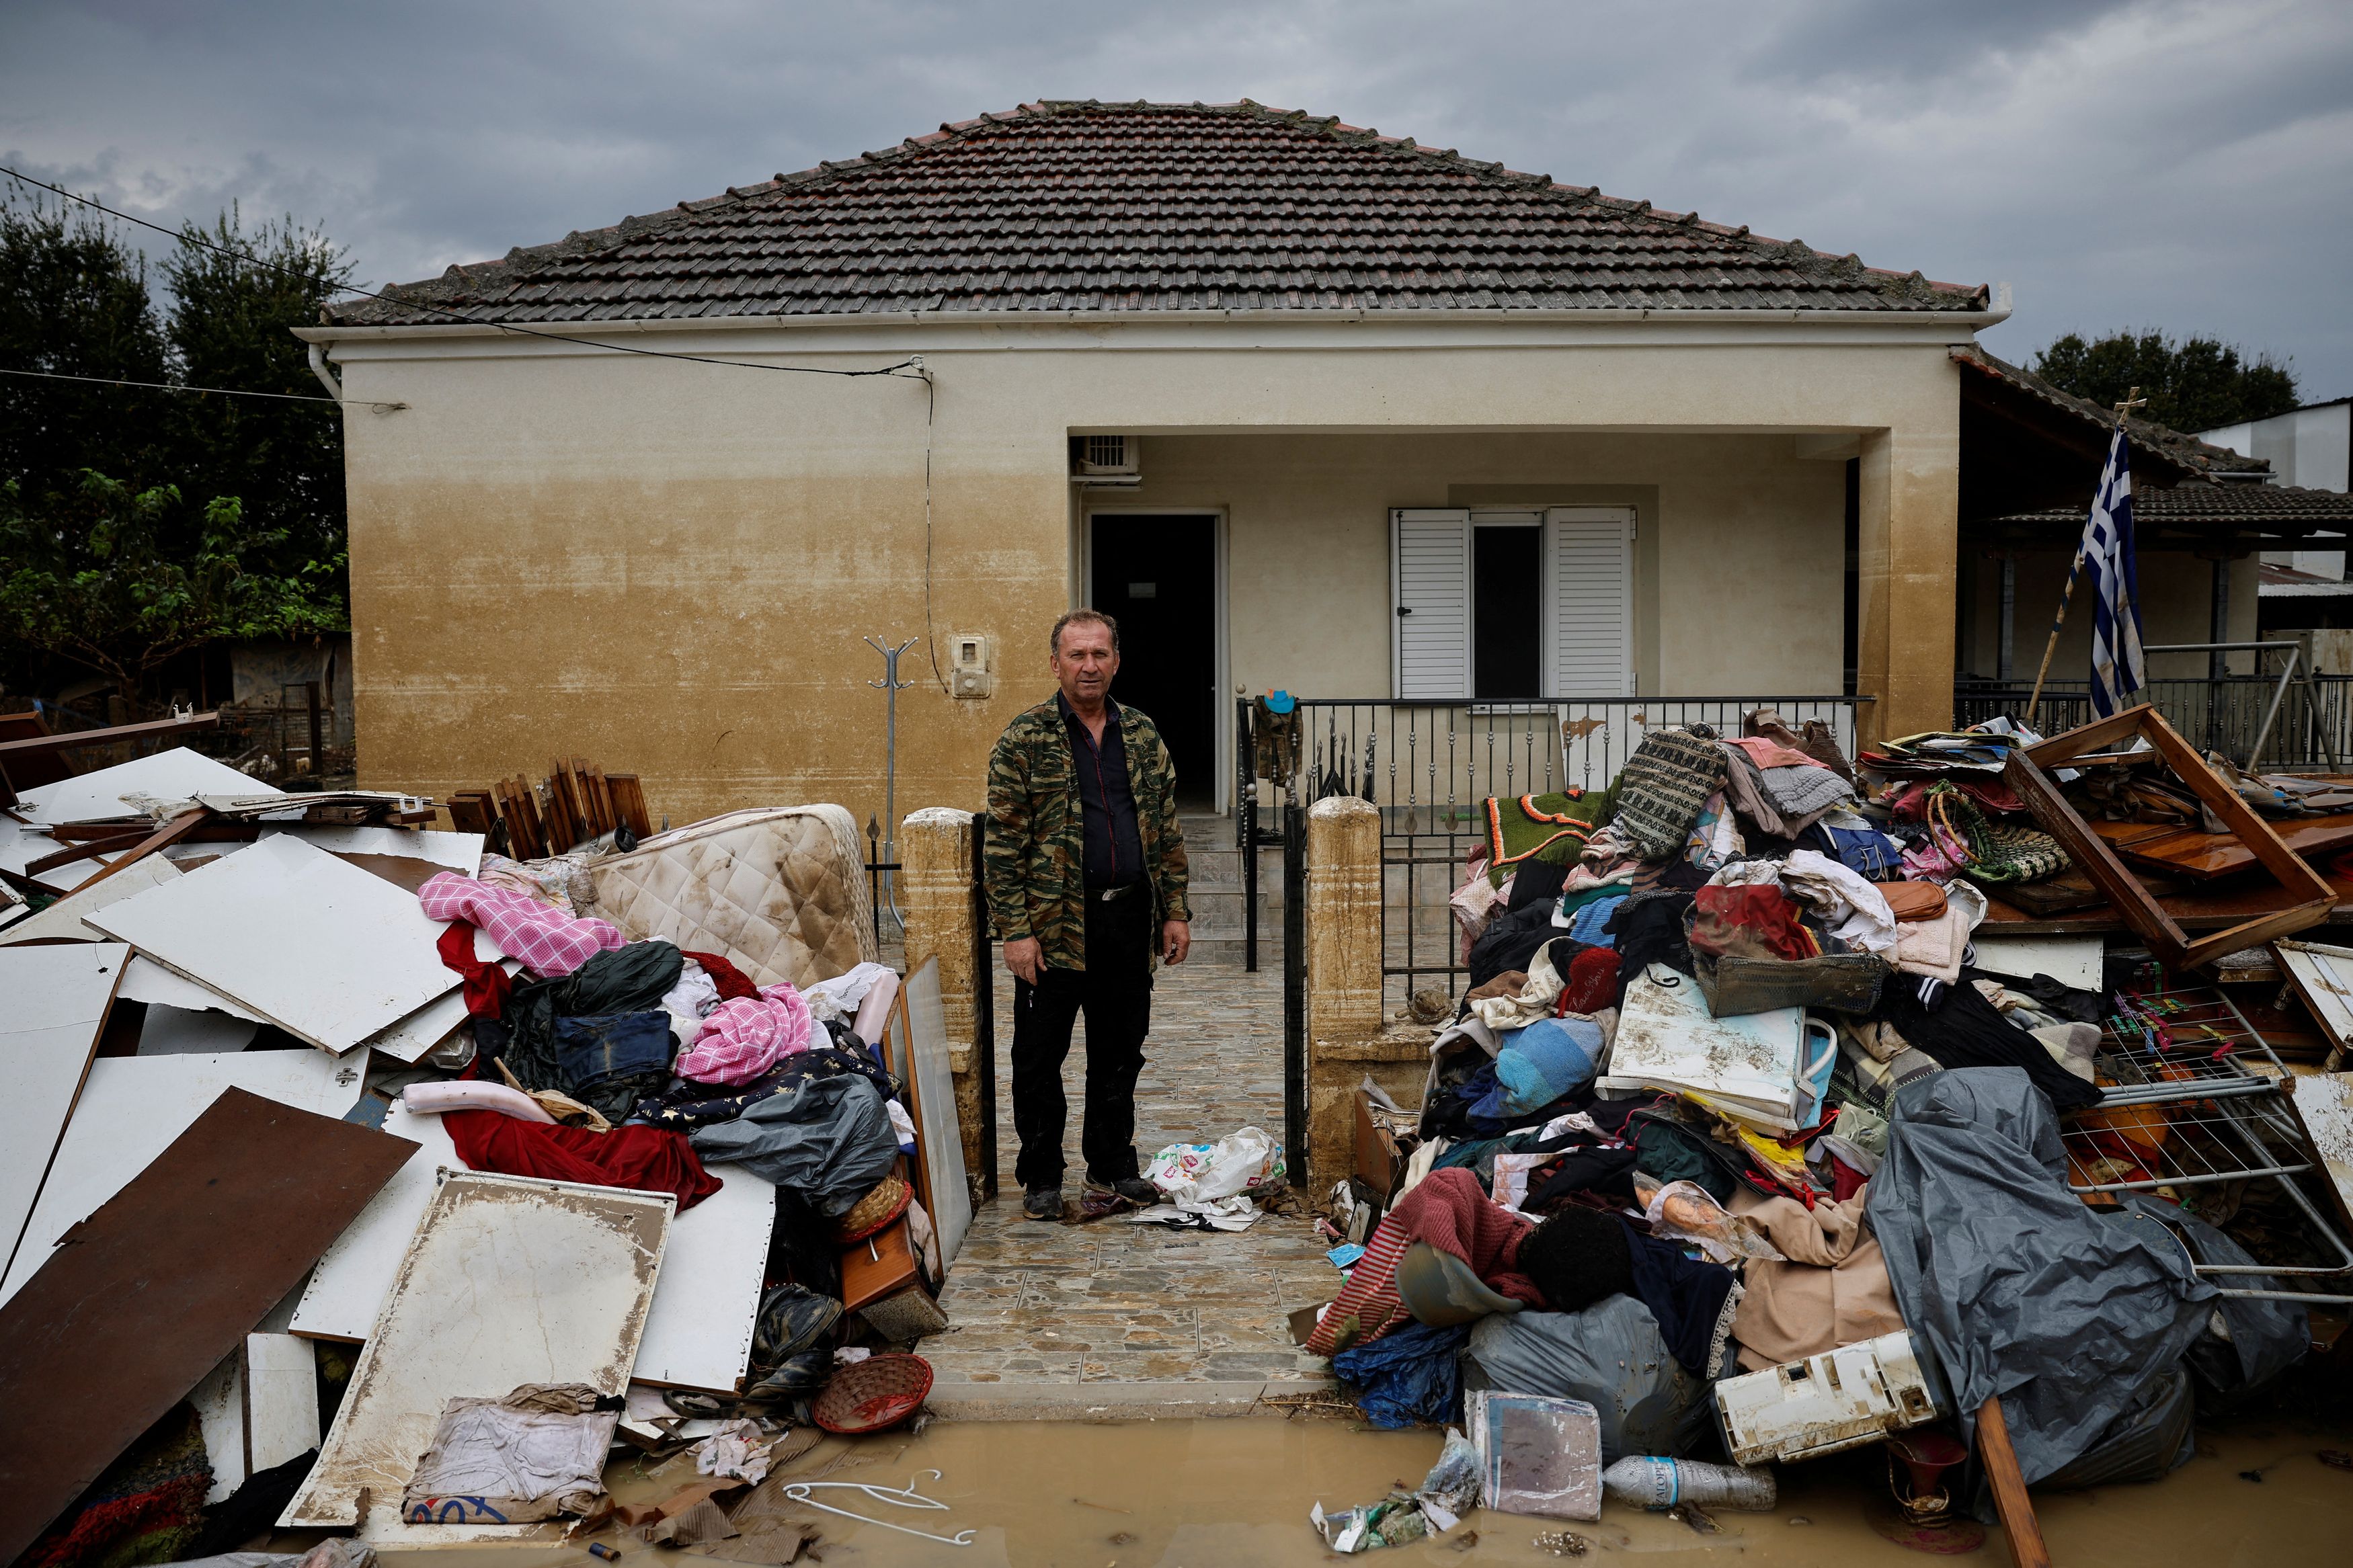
(2192, 1097)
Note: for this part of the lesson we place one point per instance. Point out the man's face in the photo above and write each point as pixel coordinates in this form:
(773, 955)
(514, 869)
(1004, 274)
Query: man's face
(1084, 662)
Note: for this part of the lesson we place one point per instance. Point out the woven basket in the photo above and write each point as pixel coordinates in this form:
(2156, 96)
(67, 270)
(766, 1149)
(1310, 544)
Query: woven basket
(873, 1394)
(877, 1209)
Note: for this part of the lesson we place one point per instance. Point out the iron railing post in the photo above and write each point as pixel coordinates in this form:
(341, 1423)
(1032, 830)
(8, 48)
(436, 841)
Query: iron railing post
(1294, 990)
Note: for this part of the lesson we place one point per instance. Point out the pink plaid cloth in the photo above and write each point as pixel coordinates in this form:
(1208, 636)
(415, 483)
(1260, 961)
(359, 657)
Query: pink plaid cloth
(746, 1037)
(549, 942)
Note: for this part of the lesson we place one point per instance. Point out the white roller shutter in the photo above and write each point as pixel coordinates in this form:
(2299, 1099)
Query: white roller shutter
(1430, 578)
(1589, 607)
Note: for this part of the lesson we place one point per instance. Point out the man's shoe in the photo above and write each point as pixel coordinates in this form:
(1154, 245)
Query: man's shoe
(1043, 1202)
(1135, 1190)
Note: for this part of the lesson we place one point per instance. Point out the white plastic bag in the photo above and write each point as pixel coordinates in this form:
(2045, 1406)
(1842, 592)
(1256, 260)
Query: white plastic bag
(1236, 1164)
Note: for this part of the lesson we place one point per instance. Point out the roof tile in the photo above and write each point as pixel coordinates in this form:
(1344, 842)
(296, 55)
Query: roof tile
(1152, 208)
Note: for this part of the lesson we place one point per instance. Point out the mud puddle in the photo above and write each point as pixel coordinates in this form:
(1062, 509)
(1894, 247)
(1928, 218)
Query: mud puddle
(1235, 1493)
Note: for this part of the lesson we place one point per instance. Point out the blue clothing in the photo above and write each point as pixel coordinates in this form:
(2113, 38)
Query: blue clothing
(1114, 850)
(1549, 1058)
(1410, 1378)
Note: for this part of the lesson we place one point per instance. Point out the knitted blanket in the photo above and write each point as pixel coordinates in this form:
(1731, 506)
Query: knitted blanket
(1664, 788)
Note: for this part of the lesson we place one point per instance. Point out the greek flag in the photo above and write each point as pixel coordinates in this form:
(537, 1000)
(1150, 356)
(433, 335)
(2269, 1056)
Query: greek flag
(2117, 670)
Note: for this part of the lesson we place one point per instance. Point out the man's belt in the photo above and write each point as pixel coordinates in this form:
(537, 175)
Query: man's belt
(1106, 895)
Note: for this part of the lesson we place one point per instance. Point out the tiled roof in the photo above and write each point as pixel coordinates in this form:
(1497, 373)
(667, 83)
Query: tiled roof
(2201, 503)
(2146, 435)
(1063, 207)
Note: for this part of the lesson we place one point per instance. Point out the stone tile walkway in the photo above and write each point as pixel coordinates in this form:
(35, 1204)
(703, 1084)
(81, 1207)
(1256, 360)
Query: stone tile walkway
(1114, 1319)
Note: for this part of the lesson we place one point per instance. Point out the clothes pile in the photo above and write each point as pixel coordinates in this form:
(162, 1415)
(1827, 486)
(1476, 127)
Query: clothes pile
(1732, 1089)
(411, 1086)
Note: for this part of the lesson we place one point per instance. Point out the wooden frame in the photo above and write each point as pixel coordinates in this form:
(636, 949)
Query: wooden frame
(2025, 773)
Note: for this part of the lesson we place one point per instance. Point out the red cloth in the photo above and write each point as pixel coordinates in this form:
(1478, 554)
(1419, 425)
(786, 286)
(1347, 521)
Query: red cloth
(1591, 983)
(1452, 1211)
(650, 1159)
(486, 983)
(730, 979)
(1750, 922)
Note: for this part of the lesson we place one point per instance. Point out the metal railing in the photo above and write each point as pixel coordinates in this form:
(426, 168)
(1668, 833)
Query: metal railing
(1427, 766)
(2287, 722)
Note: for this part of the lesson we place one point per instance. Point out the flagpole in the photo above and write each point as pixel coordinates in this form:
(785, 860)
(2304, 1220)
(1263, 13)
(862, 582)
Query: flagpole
(2133, 399)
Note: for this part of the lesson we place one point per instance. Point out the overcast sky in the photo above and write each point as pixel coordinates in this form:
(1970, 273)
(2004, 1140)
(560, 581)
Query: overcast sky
(2179, 166)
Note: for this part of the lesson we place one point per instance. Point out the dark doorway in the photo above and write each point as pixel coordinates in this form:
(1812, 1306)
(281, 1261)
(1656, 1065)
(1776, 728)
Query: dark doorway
(1158, 577)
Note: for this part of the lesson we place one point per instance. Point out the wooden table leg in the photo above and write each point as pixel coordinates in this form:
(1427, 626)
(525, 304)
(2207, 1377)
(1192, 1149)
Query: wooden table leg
(2010, 1499)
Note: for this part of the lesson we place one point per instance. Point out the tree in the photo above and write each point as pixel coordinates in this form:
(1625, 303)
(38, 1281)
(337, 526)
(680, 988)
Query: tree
(122, 580)
(229, 326)
(74, 301)
(2195, 385)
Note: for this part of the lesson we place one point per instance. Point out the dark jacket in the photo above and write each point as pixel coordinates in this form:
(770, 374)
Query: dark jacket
(1035, 859)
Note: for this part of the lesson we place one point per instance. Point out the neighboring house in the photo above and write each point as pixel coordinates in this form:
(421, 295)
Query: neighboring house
(2312, 448)
(1307, 406)
(2201, 512)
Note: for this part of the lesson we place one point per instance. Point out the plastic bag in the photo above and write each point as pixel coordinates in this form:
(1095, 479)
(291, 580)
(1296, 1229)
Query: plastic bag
(1445, 1495)
(1682, 1211)
(1235, 1164)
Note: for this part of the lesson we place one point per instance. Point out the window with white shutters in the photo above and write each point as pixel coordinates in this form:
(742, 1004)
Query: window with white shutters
(1462, 608)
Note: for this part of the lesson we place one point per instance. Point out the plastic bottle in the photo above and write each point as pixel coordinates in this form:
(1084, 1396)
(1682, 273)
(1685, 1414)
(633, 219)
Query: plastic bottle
(1659, 1483)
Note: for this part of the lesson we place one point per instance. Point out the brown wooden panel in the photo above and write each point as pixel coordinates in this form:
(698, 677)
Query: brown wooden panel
(143, 1298)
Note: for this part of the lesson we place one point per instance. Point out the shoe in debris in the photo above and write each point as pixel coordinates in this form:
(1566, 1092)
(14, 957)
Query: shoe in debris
(1043, 1202)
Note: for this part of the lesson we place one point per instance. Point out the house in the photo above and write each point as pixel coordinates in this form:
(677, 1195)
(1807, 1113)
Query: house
(1305, 405)
(2310, 448)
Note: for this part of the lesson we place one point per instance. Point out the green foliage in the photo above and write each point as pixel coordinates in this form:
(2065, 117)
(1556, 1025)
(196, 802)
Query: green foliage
(124, 580)
(2194, 384)
(229, 326)
(102, 561)
(74, 301)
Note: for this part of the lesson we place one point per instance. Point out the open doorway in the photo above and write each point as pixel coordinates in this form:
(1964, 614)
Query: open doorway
(1157, 575)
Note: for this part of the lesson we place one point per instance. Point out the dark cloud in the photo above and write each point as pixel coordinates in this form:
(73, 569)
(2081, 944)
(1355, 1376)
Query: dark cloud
(2175, 165)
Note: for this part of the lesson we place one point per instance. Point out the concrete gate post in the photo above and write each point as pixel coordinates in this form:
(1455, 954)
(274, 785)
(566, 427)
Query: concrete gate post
(936, 881)
(1346, 1034)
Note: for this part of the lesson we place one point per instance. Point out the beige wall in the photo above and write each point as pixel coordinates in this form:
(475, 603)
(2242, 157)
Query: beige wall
(668, 567)
(2177, 606)
(1740, 549)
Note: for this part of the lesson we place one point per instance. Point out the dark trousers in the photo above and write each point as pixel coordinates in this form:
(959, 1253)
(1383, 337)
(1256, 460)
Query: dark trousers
(1114, 991)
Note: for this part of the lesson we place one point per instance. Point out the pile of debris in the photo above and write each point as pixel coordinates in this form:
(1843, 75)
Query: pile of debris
(1781, 1117)
(362, 1179)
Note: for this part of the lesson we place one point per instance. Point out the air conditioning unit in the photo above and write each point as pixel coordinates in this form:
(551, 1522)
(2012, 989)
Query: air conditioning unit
(1105, 461)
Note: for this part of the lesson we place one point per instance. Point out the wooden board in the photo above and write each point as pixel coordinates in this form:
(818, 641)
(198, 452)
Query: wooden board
(2323, 979)
(2070, 959)
(230, 1214)
(705, 1304)
(176, 774)
(507, 1281)
(2204, 857)
(318, 947)
(281, 1399)
(924, 1064)
(53, 1007)
(64, 918)
(878, 1266)
(2324, 1104)
(145, 980)
(133, 1108)
(2310, 894)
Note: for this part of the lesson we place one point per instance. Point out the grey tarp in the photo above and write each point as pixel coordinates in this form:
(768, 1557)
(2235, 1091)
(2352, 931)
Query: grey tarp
(829, 1140)
(2014, 1286)
(1612, 1356)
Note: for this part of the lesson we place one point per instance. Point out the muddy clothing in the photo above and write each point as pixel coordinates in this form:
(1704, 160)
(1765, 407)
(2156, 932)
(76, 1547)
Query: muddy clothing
(1036, 856)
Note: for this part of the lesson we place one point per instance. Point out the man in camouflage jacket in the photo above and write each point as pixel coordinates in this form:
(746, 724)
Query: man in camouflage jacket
(1086, 878)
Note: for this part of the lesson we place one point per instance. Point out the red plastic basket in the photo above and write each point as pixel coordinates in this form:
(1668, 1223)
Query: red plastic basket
(873, 1394)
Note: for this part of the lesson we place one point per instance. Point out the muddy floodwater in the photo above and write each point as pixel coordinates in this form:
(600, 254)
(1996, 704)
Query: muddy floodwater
(1235, 1493)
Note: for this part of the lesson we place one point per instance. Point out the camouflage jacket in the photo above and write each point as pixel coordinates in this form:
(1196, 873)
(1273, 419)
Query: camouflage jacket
(1034, 860)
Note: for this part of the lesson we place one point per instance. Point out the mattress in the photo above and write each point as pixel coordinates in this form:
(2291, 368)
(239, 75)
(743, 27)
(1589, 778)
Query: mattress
(779, 891)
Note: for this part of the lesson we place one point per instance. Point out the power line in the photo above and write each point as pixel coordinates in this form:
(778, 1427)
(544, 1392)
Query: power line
(224, 391)
(185, 237)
